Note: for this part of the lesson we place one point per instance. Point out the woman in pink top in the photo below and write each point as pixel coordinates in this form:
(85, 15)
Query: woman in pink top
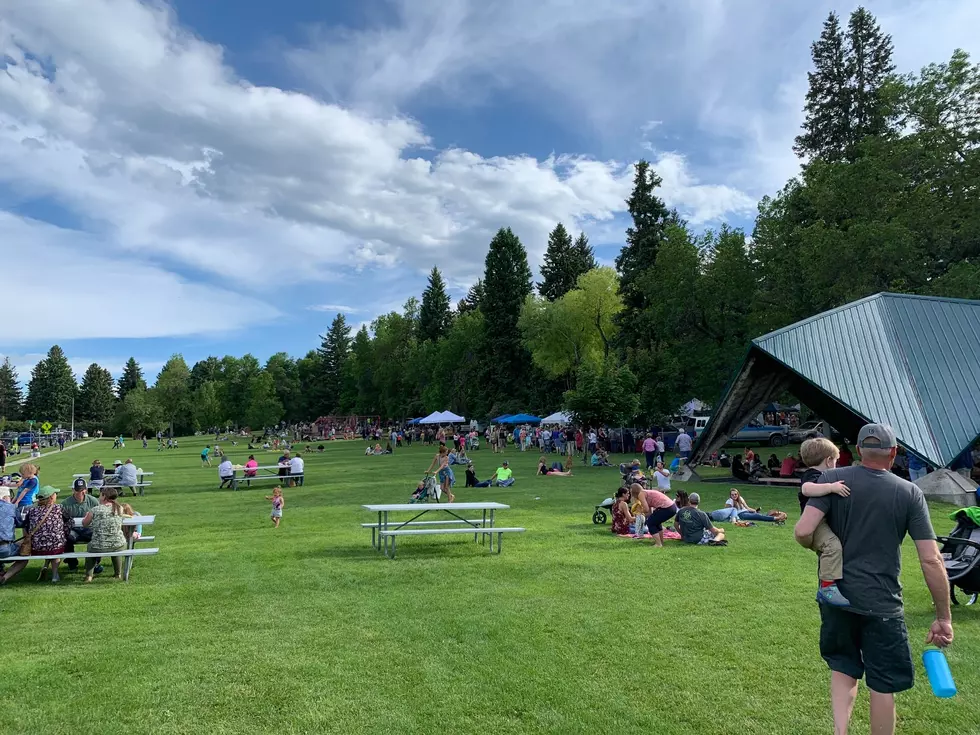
(650, 450)
(658, 509)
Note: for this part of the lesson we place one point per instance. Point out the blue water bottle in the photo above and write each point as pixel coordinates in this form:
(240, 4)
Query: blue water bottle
(937, 669)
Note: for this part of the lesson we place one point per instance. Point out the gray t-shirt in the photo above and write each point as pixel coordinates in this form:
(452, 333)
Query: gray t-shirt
(692, 523)
(871, 524)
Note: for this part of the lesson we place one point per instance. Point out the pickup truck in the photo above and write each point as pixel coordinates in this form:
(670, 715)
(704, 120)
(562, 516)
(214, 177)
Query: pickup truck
(752, 433)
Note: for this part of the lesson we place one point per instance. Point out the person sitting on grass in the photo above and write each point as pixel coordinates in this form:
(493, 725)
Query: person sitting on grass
(622, 519)
(600, 458)
(503, 477)
(226, 472)
(820, 455)
(555, 469)
(738, 469)
(695, 527)
(471, 478)
(105, 522)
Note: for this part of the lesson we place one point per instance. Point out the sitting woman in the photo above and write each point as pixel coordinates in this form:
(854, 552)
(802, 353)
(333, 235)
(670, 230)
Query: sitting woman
(47, 525)
(622, 519)
(737, 510)
(600, 459)
(774, 465)
(105, 520)
(555, 469)
(738, 469)
(471, 478)
(319, 447)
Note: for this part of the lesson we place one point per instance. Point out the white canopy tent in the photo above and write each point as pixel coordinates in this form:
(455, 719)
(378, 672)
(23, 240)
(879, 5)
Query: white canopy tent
(559, 417)
(433, 418)
(442, 417)
(452, 418)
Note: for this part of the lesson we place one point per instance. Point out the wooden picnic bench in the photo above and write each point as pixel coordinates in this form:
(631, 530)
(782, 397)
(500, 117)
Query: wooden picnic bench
(128, 553)
(385, 533)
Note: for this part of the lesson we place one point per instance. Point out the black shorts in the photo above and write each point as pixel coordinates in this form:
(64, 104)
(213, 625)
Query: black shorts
(873, 647)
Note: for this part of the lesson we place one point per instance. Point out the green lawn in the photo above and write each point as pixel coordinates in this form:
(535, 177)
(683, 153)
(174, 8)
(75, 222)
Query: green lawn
(238, 627)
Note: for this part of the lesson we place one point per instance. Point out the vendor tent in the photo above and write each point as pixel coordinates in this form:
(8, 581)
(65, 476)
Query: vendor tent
(500, 419)
(912, 362)
(521, 418)
(557, 418)
(433, 418)
(451, 418)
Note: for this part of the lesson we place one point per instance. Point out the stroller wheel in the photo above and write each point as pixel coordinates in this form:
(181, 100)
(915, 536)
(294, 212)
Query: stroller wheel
(972, 598)
(598, 517)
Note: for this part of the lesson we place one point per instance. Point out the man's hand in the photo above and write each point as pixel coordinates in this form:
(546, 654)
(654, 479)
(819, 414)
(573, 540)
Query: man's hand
(941, 633)
(839, 488)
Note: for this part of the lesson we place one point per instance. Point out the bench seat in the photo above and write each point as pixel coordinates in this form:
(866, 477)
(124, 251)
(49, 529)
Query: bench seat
(81, 555)
(424, 523)
(430, 531)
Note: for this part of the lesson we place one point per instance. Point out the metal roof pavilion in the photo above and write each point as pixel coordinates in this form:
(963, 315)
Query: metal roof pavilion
(912, 362)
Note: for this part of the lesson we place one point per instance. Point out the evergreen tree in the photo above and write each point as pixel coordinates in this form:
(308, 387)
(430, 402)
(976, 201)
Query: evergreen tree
(471, 301)
(263, 407)
(651, 218)
(846, 100)
(434, 318)
(11, 395)
(52, 389)
(583, 255)
(507, 283)
(172, 393)
(558, 271)
(285, 377)
(96, 402)
(131, 379)
(334, 352)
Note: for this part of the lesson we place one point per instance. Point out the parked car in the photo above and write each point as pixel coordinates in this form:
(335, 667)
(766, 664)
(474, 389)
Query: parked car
(759, 433)
(813, 430)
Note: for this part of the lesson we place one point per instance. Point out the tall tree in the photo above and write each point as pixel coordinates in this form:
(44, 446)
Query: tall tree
(139, 412)
(96, 402)
(285, 377)
(208, 369)
(643, 239)
(557, 272)
(131, 378)
(362, 364)
(472, 299)
(434, 318)
(52, 389)
(263, 407)
(848, 97)
(172, 393)
(207, 407)
(507, 283)
(583, 255)
(334, 352)
(11, 395)
(604, 395)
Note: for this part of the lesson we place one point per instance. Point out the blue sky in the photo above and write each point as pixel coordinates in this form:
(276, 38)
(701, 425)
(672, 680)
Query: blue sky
(223, 176)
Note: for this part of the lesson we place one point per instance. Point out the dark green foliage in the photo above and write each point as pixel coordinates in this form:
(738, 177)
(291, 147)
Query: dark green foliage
(434, 317)
(604, 395)
(564, 262)
(51, 390)
(472, 299)
(11, 395)
(334, 352)
(172, 394)
(131, 379)
(96, 404)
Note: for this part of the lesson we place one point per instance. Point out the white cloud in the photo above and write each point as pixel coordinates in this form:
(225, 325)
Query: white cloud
(339, 308)
(25, 362)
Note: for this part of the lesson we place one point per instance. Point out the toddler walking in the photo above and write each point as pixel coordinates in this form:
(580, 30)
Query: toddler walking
(820, 455)
(278, 502)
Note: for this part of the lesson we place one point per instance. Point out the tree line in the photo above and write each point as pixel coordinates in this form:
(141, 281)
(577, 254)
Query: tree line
(886, 199)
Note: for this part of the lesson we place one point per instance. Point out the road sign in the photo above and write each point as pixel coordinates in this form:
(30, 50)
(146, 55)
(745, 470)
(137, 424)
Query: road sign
(46, 427)
(30, 422)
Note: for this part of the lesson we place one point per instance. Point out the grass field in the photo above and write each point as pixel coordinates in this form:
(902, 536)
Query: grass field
(237, 627)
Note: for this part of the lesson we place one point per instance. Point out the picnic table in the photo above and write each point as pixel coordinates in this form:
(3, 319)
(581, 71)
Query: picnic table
(139, 475)
(265, 472)
(385, 532)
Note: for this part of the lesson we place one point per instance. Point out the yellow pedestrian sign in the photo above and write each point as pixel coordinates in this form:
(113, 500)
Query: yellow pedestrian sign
(46, 427)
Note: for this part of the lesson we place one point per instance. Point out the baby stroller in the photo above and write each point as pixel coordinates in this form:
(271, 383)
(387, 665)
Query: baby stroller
(601, 510)
(961, 556)
(428, 490)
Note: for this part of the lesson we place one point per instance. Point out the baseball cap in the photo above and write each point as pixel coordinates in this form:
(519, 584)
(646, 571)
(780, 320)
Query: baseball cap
(79, 484)
(504, 463)
(694, 498)
(46, 492)
(876, 436)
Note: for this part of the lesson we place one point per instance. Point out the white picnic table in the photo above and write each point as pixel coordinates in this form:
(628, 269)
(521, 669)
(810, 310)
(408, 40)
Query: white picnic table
(384, 533)
(139, 475)
(263, 472)
(130, 545)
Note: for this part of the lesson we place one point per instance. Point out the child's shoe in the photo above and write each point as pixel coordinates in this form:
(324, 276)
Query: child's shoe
(831, 595)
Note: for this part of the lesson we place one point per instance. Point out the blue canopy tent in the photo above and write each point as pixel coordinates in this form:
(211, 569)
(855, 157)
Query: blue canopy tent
(500, 419)
(522, 418)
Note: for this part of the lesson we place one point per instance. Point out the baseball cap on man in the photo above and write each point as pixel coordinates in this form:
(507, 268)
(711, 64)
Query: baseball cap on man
(79, 484)
(694, 498)
(876, 436)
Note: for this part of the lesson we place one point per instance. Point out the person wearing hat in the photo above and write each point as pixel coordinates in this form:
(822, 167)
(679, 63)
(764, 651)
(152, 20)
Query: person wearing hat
(47, 526)
(695, 525)
(869, 639)
(78, 505)
(504, 476)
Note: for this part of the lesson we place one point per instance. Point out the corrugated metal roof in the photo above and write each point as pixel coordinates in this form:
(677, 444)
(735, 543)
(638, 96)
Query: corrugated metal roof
(909, 361)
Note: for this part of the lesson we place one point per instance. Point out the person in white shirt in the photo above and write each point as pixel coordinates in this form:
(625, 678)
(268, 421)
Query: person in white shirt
(683, 445)
(661, 449)
(593, 441)
(663, 477)
(126, 476)
(226, 472)
(296, 465)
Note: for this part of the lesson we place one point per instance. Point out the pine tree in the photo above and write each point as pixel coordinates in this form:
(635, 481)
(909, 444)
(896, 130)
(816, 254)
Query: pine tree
(172, 392)
(11, 395)
(845, 101)
(558, 271)
(434, 317)
(651, 218)
(131, 379)
(471, 301)
(96, 401)
(583, 255)
(334, 353)
(52, 389)
(869, 68)
(507, 283)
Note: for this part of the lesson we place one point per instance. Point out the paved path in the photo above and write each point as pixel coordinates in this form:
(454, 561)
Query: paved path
(26, 457)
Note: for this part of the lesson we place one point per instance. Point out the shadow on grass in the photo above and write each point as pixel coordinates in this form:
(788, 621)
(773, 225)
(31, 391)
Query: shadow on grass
(367, 553)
